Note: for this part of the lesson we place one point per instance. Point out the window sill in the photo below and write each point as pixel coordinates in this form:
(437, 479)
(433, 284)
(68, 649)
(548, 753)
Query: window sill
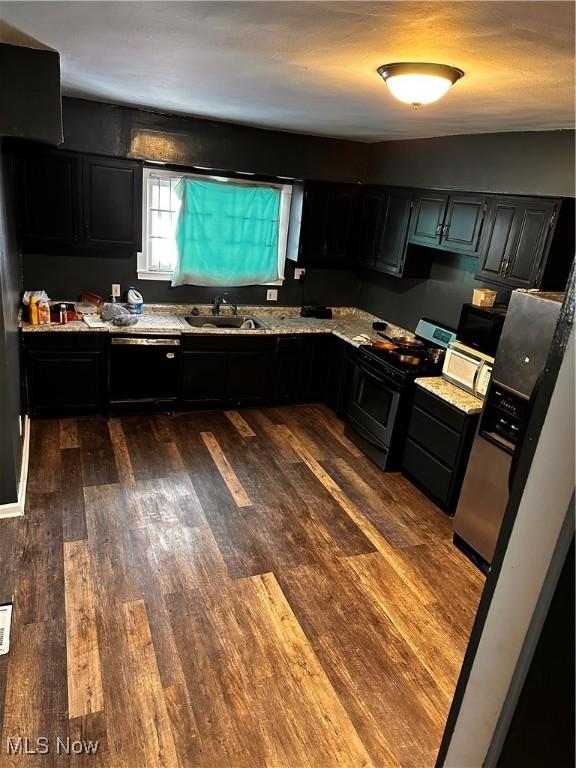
(144, 275)
(167, 277)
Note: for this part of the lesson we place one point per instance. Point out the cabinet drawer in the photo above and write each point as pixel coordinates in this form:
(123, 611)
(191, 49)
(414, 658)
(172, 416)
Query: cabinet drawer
(82, 341)
(427, 471)
(438, 439)
(440, 409)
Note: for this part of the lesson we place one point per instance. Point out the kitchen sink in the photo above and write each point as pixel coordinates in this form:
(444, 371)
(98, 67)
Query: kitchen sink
(221, 321)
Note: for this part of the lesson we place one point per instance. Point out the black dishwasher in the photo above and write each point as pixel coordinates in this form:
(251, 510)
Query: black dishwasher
(144, 372)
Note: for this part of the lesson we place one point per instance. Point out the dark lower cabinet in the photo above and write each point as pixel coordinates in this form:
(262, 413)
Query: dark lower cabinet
(227, 369)
(203, 376)
(340, 374)
(289, 369)
(70, 373)
(437, 448)
(66, 374)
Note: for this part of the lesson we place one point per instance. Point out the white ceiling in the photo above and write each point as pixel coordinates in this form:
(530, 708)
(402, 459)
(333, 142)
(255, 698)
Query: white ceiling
(311, 66)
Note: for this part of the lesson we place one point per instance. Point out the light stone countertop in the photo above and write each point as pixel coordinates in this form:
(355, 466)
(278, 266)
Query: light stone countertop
(346, 323)
(451, 394)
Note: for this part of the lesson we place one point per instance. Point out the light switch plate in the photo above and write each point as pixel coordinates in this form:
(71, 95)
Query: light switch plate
(115, 289)
(299, 273)
(272, 294)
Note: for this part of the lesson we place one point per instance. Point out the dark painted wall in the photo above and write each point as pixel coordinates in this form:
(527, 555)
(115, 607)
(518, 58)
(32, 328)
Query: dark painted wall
(66, 277)
(106, 129)
(439, 298)
(10, 286)
(530, 163)
(537, 163)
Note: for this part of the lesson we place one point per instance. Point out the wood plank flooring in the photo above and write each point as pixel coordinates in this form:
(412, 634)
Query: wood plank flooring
(228, 590)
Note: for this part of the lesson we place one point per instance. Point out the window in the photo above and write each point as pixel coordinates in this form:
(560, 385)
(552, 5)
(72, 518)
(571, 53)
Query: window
(161, 210)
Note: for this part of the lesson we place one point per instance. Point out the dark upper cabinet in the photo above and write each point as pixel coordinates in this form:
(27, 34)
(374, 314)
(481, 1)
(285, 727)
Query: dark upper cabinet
(49, 198)
(452, 221)
(390, 256)
(382, 233)
(371, 214)
(329, 214)
(428, 217)
(73, 201)
(516, 244)
(112, 202)
(462, 227)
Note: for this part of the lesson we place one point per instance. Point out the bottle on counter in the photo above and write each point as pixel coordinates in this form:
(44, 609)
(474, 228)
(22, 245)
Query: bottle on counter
(33, 311)
(63, 314)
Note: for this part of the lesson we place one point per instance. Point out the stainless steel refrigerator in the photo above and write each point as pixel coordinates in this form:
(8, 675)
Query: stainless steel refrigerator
(520, 359)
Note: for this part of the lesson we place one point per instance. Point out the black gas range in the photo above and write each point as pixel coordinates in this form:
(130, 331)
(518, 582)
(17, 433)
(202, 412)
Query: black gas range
(382, 393)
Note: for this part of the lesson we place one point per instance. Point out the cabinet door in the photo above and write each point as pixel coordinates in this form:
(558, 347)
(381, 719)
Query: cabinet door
(372, 210)
(428, 217)
(112, 202)
(204, 377)
(289, 373)
(49, 212)
(250, 375)
(533, 223)
(65, 382)
(499, 233)
(515, 241)
(316, 359)
(312, 249)
(392, 245)
(340, 220)
(463, 225)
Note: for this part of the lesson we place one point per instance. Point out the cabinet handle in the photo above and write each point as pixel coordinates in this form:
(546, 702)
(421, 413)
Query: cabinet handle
(445, 229)
(439, 229)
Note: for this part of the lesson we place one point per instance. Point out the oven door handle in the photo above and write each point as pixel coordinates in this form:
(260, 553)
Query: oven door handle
(376, 376)
(144, 342)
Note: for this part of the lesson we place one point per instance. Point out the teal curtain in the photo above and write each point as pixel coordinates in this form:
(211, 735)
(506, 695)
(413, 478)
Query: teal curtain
(226, 234)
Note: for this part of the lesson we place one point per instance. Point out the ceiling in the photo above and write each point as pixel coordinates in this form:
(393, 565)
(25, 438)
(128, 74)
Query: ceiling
(311, 66)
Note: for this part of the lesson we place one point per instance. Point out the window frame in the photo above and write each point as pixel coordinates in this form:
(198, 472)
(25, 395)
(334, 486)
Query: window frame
(143, 264)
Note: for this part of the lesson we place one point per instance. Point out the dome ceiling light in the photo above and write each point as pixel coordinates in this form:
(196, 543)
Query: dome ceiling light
(419, 83)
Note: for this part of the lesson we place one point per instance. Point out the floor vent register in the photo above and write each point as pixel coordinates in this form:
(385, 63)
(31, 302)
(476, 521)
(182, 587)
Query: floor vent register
(5, 621)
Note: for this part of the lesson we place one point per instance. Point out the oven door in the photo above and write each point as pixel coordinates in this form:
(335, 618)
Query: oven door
(374, 404)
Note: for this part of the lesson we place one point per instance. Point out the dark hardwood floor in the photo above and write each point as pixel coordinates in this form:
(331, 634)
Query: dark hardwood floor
(228, 590)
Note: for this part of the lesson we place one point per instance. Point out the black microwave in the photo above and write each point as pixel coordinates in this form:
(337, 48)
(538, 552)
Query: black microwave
(480, 327)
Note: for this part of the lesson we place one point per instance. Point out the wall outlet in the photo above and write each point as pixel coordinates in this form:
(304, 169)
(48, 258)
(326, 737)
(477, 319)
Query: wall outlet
(272, 294)
(299, 273)
(116, 289)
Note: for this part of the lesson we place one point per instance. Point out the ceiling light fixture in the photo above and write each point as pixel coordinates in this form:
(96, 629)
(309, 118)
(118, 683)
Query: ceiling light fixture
(419, 83)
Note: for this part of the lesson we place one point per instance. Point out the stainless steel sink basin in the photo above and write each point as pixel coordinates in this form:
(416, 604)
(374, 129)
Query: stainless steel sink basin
(222, 321)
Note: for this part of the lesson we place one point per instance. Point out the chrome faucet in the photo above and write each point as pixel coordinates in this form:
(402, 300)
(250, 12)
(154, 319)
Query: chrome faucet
(218, 301)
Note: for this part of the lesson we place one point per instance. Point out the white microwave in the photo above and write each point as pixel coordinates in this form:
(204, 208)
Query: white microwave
(467, 368)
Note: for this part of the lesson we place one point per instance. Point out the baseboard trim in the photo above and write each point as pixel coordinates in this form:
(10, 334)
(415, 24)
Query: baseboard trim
(16, 508)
